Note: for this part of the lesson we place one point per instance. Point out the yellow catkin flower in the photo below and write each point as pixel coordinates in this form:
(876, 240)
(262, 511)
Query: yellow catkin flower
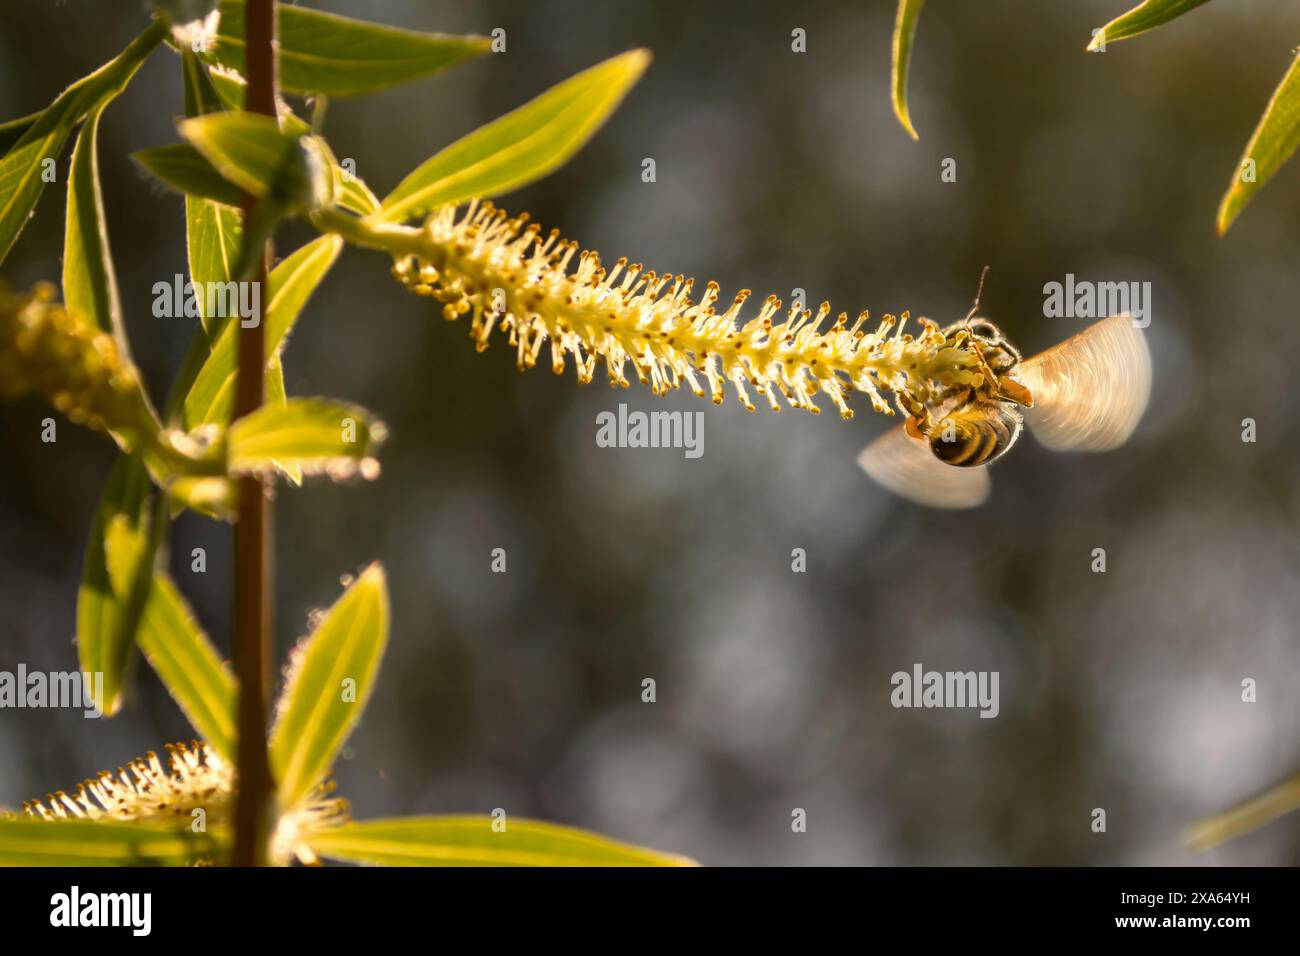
(502, 272)
(77, 368)
(191, 777)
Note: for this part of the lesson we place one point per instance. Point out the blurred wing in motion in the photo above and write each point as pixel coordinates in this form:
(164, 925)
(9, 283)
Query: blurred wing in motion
(907, 467)
(1089, 391)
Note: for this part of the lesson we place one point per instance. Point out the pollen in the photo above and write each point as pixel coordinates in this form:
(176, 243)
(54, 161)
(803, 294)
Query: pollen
(546, 296)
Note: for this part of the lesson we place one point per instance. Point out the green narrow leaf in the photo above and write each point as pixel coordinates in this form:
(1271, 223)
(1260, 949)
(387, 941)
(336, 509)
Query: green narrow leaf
(109, 602)
(275, 395)
(275, 382)
(23, 177)
(89, 280)
(125, 540)
(22, 170)
(522, 146)
(288, 287)
(231, 86)
(1145, 16)
(183, 168)
(901, 61)
(189, 666)
(201, 95)
(250, 150)
(27, 841)
(337, 56)
(333, 673)
(350, 192)
(213, 230)
(212, 496)
(353, 194)
(315, 434)
(472, 841)
(212, 236)
(1267, 807)
(1274, 142)
(246, 148)
(13, 130)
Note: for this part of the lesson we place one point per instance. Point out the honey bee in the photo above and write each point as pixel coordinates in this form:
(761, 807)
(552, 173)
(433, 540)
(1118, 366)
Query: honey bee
(1084, 394)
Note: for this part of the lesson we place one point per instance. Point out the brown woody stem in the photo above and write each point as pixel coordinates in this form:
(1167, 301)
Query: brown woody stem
(252, 643)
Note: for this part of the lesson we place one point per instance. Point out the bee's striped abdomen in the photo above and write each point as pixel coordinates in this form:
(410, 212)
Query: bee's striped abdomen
(975, 434)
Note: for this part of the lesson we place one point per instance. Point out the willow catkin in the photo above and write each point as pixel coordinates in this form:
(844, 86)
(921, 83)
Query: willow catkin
(191, 777)
(504, 274)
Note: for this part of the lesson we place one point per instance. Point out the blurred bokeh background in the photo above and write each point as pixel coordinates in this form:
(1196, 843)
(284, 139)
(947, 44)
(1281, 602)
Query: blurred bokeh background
(775, 171)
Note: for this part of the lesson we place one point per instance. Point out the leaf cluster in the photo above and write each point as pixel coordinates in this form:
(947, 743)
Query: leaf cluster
(189, 454)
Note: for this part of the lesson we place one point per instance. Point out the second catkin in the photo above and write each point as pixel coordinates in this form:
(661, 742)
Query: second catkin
(47, 351)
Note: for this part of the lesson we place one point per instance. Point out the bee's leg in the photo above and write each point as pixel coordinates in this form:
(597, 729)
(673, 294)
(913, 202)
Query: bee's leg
(990, 377)
(908, 405)
(916, 418)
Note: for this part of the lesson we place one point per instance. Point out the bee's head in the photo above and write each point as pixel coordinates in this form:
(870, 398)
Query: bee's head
(984, 329)
(981, 335)
(976, 327)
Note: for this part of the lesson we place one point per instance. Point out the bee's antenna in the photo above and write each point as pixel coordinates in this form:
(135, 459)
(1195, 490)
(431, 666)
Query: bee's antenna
(978, 292)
